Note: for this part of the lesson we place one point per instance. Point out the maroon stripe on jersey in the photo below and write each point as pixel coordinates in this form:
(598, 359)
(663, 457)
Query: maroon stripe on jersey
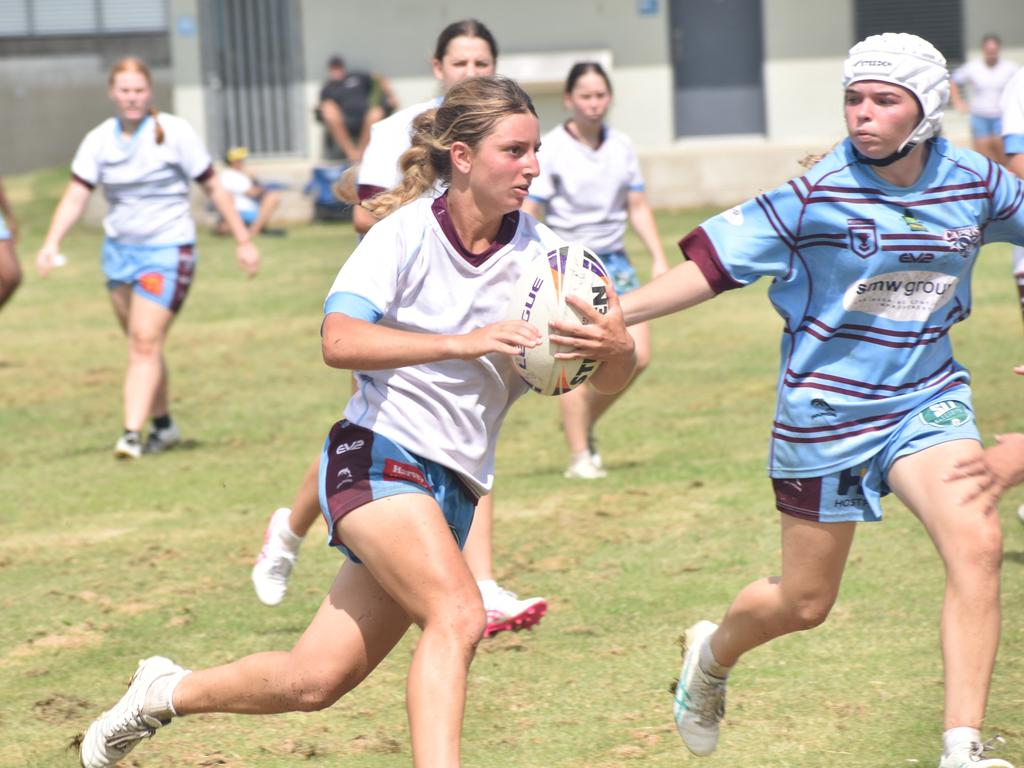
(796, 190)
(776, 221)
(826, 244)
(826, 235)
(950, 187)
(871, 329)
(946, 366)
(205, 174)
(366, 191)
(186, 268)
(83, 182)
(854, 393)
(858, 190)
(698, 248)
(798, 496)
(844, 425)
(902, 203)
(920, 246)
(1013, 207)
(870, 339)
(830, 438)
(912, 236)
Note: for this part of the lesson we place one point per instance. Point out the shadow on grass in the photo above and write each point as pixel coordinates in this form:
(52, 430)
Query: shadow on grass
(1016, 557)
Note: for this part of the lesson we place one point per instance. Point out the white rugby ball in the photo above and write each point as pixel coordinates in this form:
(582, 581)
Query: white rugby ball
(539, 298)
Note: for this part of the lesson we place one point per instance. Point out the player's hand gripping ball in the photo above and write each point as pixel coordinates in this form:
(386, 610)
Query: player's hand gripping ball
(539, 298)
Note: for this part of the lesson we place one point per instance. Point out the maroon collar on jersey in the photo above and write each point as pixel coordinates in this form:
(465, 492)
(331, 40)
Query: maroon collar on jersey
(507, 230)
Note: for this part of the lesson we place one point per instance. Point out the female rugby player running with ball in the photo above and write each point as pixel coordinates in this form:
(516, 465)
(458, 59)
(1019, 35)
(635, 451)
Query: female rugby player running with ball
(417, 311)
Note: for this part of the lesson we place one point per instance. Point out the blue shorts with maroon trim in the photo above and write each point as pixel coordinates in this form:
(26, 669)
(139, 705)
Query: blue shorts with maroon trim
(358, 466)
(620, 268)
(854, 494)
(160, 273)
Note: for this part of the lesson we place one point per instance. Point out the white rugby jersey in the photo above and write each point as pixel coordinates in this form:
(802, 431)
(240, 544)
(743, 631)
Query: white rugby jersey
(585, 189)
(146, 184)
(411, 273)
(868, 278)
(389, 139)
(986, 84)
(1013, 114)
(239, 184)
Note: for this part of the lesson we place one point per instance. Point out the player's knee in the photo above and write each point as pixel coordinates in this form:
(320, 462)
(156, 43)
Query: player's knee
(810, 612)
(9, 282)
(320, 688)
(643, 359)
(980, 548)
(144, 345)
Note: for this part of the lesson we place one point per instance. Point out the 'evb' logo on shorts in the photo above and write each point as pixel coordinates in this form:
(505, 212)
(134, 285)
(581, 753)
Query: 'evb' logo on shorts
(948, 413)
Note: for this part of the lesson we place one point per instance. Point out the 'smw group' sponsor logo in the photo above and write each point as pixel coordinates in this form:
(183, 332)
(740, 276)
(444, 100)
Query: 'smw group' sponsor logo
(901, 295)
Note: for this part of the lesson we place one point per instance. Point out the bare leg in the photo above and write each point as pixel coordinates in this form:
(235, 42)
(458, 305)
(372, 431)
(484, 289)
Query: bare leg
(969, 540)
(1018, 273)
(478, 549)
(268, 204)
(145, 384)
(306, 504)
(10, 271)
(813, 560)
(414, 571)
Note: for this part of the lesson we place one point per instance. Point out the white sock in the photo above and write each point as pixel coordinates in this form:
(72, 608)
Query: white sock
(955, 737)
(709, 664)
(291, 540)
(159, 698)
(487, 587)
(583, 455)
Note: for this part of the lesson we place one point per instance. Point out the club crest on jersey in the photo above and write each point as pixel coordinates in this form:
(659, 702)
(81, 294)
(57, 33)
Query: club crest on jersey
(965, 240)
(863, 237)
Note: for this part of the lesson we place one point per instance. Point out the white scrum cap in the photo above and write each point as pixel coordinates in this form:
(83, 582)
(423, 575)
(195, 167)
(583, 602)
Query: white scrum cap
(909, 61)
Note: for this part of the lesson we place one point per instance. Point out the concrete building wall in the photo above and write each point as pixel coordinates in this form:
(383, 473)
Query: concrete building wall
(54, 90)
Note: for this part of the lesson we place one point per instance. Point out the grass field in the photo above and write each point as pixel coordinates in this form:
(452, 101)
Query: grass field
(102, 563)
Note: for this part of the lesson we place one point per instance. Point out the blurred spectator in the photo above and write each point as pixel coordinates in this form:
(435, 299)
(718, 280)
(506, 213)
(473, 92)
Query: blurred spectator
(350, 102)
(986, 78)
(254, 201)
(10, 272)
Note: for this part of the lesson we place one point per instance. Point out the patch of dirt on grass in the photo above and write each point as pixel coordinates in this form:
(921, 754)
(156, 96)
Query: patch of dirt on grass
(58, 709)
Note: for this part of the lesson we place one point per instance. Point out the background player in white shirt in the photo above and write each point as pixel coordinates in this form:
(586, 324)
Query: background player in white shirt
(398, 478)
(464, 49)
(870, 256)
(254, 201)
(10, 271)
(145, 161)
(985, 79)
(590, 186)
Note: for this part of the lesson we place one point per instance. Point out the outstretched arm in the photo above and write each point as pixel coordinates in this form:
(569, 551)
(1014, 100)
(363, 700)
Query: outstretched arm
(681, 287)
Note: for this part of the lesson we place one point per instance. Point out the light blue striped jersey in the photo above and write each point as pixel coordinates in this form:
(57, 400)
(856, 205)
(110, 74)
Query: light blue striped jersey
(868, 278)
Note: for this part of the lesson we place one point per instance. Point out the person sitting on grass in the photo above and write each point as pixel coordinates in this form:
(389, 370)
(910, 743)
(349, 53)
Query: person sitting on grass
(254, 201)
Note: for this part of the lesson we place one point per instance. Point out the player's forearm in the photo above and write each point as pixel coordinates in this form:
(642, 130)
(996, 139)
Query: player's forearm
(354, 344)
(681, 287)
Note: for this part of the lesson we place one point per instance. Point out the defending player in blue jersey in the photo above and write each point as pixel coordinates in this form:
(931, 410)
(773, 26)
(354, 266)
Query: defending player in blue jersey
(870, 257)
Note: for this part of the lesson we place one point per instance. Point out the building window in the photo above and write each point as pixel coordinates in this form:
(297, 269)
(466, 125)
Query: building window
(46, 18)
(940, 22)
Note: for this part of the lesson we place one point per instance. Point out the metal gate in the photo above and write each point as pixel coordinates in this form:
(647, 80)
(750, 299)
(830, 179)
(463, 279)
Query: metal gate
(252, 65)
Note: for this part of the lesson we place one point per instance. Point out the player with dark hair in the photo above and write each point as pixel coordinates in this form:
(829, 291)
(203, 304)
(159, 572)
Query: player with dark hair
(589, 188)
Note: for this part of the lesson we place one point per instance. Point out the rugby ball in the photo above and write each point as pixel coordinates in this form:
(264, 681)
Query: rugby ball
(539, 298)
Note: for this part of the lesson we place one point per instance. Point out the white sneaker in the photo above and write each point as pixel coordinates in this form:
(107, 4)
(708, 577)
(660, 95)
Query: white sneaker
(275, 562)
(162, 439)
(584, 468)
(506, 611)
(128, 446)
(971, 755)
(1020, 513)
(699, 697)
(116, 732)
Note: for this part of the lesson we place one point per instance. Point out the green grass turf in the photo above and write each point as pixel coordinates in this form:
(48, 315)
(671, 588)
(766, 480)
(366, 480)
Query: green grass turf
(102, 563)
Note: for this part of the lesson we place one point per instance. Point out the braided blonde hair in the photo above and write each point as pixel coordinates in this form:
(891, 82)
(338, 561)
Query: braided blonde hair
(468, 114)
